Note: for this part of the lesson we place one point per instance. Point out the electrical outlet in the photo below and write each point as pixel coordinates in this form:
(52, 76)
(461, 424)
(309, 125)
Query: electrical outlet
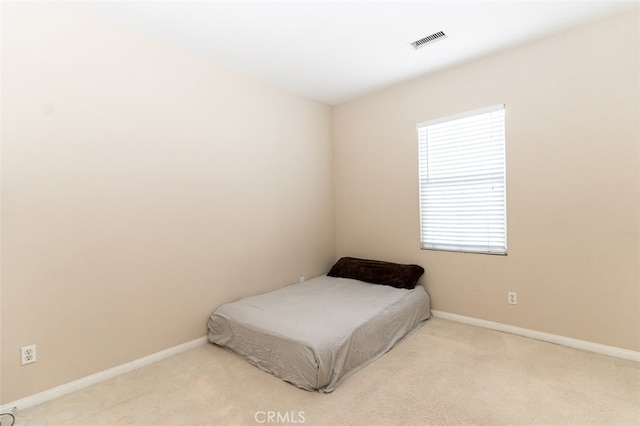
(28, 354)
(512, 298)
(301, 280)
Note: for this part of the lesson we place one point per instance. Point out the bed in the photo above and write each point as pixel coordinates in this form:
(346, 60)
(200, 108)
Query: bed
(317, 333)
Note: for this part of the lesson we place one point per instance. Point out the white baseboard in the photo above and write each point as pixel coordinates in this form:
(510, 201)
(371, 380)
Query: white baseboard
(546, 337)
(99, 377)
(150, 359)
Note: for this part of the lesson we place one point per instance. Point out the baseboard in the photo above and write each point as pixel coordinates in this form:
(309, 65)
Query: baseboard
(546, 337)
(99, 377)
(150, 359)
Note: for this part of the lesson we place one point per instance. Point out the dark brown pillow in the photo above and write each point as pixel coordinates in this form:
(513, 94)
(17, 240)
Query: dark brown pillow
(377, 272)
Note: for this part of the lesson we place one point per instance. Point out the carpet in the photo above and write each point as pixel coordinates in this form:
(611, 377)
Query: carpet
(446, 373)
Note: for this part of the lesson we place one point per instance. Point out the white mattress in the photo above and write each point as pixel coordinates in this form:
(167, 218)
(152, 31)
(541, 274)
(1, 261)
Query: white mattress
(317, 333)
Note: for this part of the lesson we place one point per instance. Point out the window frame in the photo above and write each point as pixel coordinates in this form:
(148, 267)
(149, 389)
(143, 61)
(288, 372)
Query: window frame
(496, 141)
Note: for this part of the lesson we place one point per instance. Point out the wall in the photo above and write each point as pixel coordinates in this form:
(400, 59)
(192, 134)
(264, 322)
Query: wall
(141, 188)
(573, 194)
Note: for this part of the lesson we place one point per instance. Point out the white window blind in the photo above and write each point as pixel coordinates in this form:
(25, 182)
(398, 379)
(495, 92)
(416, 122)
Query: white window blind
(463, 183)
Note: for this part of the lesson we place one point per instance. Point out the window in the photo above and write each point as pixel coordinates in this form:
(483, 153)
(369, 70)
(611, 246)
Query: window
(462, 182)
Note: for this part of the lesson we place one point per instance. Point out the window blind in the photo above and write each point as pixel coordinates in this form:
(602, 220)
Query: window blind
(463, 182)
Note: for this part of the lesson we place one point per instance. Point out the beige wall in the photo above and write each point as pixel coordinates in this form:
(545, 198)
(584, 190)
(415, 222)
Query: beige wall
(141, 188)
(573, 160)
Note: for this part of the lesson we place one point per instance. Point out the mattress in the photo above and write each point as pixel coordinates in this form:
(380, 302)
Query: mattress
(317, 333)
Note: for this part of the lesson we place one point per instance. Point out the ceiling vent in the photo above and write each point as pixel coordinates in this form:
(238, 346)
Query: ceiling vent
(428, 40)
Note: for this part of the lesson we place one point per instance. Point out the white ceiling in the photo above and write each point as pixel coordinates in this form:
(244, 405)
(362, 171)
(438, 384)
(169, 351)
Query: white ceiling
(336, 51)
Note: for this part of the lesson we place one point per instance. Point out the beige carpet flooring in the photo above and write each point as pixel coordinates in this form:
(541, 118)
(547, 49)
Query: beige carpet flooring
(446, 373)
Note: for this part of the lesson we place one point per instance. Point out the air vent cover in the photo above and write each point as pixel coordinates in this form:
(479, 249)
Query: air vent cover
(428, 40)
